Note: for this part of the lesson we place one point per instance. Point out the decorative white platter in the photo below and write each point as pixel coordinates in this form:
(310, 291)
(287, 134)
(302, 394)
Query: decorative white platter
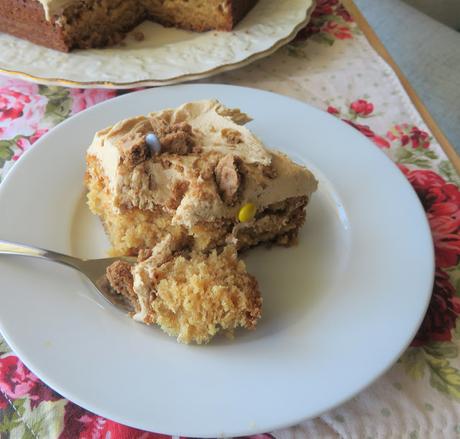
(165, 56)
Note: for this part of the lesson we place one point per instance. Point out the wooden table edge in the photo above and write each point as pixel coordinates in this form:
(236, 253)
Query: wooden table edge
(377, 44)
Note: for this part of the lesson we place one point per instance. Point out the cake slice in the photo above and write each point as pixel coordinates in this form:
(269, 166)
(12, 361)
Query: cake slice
(198, 15)
(80, 24)
(194, 172)
(188, 294)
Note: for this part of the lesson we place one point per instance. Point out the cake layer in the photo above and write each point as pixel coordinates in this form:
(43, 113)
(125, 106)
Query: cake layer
(201, 15)
(190, 295)
(26, 19)
(99, 23)
(131, 230)
(69, 24)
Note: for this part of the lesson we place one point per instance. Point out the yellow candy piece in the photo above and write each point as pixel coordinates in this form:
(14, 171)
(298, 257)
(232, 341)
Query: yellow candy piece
(247, 212)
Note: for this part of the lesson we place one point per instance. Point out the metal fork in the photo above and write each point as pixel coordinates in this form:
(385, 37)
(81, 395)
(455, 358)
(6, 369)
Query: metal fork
(93, 269)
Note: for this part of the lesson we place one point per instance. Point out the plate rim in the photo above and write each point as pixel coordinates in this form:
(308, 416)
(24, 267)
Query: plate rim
(276, 426)
(169, 81)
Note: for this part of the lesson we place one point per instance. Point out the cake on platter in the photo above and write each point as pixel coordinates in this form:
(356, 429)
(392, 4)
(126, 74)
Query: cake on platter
(195, 171)
(80, 24)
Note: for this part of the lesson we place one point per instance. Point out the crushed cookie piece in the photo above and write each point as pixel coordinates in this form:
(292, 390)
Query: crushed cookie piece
(235, 114)
(121, 280)
(229, 178)
(233, 137)
(175, 138)
(135, 150)
(178, 191)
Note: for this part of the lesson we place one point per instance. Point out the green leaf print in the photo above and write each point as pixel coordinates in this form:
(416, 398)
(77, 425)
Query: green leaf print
(430, 154)
(413, 157)
(296, 51)
(441, 349)
(323, 37)
(19, 407)
(336, 18)
(434, 358)
(47, 420)
(448, 172)
(416, 157)
(444, 377)
(10, 420)
(44, 421)
(4, 348)
(27, 434)
(59, 103)
(414, 362)
(403, 154)
(454, 275)
(6, 151)
(457, 329)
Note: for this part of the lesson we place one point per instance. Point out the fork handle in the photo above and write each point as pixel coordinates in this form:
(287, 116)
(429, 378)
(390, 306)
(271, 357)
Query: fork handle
(14, 248)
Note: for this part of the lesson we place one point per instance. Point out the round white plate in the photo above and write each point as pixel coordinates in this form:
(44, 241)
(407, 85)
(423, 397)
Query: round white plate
(165, 56)
(338, 309)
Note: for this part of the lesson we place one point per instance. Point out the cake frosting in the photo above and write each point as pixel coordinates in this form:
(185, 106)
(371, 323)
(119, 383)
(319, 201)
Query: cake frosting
(54, 7)
(143, 272)
(220, 138)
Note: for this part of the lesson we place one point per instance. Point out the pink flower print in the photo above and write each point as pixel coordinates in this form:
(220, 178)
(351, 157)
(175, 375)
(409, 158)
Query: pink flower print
(24, 143)
(364, 129)
(15, 380)
(114, 430)
(3, 401)
(85, 98)
(325, 7)
(20, 113)
(333, 110)
(79, 423)
(362, 107)
(419, 138)
(409, 134)
(337, 30)
(441, 201)
(18, 85)
(442, 313)
(342, 12)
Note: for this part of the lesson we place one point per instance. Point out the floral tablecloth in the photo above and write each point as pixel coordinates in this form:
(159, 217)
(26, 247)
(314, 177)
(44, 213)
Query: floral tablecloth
(332, 66)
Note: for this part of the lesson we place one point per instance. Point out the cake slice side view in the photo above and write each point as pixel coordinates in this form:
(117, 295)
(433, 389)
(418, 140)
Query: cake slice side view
(195, 172)
(81, 24)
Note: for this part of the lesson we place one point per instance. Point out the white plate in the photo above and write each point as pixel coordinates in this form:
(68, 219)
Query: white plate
(166, 55)
(338, 309)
